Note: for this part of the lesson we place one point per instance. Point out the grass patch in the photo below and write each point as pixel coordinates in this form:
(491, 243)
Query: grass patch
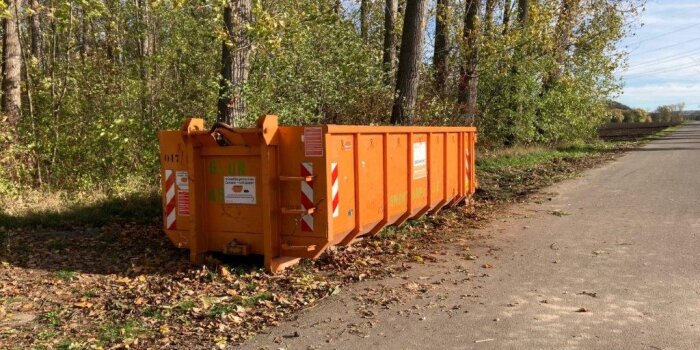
(529, 156)
(51, 318)
(129, 329)
(254, 300)
(186, 305)
(54, 211)
(46, 335)
(665, 132)
(508, 174)
(89, 294)
(154, 312)
(66, 275)
(69, 344)
(219, 310)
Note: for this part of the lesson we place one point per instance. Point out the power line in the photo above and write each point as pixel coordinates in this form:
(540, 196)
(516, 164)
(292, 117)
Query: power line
(667, 70)
(666, 33)
(670, 58)
(668, 46)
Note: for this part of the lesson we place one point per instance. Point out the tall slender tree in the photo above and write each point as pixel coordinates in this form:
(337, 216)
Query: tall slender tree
(235, 62)
(506, 16)
(337, 7)
(145, 51)
(408, 75)
(35, 29)
(562, 39)
(469, 78)
(490, 8)
(516, 105)
(389, 57)
(441, 50)
(12, 64)
(523, 11)
(364, 19)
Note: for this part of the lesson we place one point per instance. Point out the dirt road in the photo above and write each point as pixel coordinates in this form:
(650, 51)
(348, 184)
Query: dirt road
(609, 260)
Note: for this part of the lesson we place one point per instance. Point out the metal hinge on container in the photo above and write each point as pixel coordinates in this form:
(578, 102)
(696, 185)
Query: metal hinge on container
(298, 248)
(297, 178)
(235, 248)
(298, 211)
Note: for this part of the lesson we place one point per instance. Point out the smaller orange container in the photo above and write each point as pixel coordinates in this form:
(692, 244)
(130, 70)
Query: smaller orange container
(291, 192)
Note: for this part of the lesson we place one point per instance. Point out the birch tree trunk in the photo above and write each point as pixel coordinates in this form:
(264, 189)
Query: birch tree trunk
(364, 20)
(389, 58)
(562, 39)
(35, 30)
(12, 65)
(235, 62)
(506, 16)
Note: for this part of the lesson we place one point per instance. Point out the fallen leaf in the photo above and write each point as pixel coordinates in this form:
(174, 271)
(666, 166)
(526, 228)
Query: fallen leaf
(83, 305)
(412, 286)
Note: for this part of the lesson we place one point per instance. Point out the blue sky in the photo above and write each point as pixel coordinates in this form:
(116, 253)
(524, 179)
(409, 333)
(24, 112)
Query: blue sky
(664, 56)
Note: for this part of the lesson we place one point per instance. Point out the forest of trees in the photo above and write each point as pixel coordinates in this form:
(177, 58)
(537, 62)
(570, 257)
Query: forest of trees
(87, 84)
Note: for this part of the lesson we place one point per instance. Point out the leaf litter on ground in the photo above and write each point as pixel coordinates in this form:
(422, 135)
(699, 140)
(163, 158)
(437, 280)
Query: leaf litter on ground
(126, 286)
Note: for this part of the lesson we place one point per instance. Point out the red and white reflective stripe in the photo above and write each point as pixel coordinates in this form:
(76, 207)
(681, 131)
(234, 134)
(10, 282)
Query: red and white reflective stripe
(170, 205)
(334, 189)
(307, 197)
(466, 167)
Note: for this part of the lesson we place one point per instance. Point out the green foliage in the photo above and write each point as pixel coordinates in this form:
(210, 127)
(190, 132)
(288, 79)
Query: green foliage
(112, 74)
(669, 113)
(518, 107)
(312, 67)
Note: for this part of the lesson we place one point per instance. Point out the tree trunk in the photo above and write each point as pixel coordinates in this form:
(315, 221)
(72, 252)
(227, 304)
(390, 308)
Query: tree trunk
(35, 30)
(364, 20)
(488, 15)
(469, 80)
(516, 106)
(441, 50)
(337, 7)
(389, 57)
(565, 25)
(408, 75)
(145, 52)
(523, 11)
(506, 16)
(12, 65)
(235, 56)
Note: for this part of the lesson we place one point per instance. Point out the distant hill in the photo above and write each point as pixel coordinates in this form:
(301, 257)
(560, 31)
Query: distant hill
(618, 105)
(621, 113)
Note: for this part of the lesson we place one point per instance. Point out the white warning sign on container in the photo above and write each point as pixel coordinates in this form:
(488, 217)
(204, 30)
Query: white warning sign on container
(420, 156)
(239, 190)
(182, 180)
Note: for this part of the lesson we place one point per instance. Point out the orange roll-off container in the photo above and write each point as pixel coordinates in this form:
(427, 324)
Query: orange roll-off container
(290, 192)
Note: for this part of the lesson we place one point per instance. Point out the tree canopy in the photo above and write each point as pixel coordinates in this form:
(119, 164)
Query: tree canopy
(98, 78)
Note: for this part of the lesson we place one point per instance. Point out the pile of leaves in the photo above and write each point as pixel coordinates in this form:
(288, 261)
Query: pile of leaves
(127, 286)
